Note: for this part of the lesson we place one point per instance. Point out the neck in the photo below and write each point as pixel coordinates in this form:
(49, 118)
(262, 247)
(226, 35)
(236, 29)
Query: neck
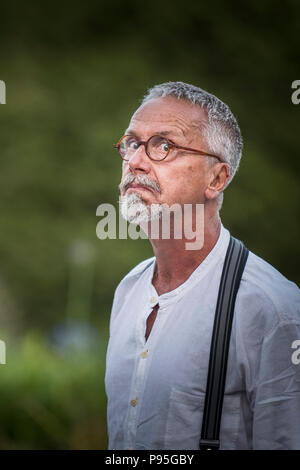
(174, 263)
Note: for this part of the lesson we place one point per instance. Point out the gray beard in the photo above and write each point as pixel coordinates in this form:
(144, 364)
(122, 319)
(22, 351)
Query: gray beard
(136, 211)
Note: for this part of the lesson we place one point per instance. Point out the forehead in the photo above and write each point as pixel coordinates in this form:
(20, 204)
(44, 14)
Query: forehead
(167, 114)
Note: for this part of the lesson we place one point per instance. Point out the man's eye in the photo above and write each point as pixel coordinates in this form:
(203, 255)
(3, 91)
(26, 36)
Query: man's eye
(164, 147)
(132, 144)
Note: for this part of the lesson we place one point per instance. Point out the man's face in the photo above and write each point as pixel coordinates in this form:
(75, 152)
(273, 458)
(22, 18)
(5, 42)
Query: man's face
(183, 176)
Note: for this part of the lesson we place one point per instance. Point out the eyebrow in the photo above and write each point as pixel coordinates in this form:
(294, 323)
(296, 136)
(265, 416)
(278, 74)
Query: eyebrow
(162, 133)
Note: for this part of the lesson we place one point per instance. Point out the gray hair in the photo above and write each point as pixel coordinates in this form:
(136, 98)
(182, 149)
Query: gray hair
(221, 130)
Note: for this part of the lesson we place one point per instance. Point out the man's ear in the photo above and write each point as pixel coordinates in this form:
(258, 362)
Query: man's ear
(219, 174)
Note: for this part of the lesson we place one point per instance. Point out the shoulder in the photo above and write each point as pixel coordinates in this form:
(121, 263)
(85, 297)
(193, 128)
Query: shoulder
(135, 272)
(129, 280)
(267, 327)
(266, 296)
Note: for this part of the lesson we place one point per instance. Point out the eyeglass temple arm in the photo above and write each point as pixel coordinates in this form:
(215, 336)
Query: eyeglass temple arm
(199, 151)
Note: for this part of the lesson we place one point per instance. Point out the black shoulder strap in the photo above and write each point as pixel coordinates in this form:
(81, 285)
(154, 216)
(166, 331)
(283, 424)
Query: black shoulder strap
(235, 260)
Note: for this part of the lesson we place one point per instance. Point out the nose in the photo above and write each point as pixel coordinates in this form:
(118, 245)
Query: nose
(139, 162)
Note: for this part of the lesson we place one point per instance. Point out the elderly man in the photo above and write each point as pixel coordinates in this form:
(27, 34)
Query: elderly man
(183, 146)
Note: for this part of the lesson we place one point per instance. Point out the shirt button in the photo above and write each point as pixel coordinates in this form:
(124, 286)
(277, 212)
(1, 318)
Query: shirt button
(144, 354)
(134, 402)
(152, 300)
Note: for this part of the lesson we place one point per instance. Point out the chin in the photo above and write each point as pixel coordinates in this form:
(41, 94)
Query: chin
(135, 210)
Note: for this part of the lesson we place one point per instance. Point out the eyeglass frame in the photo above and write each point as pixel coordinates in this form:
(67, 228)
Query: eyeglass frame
(173, 145)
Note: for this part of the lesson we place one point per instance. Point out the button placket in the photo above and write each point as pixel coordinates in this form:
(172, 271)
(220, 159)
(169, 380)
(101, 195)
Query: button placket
(143, 361)
(138, 382)
(142, 366)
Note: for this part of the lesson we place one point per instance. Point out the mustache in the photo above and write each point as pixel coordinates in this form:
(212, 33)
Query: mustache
(139, 179)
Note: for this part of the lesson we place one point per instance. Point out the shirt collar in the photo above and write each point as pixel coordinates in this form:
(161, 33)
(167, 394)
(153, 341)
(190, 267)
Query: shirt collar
(211, 259)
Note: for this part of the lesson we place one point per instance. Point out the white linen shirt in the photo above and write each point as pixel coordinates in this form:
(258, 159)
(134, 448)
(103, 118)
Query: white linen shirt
(156, 388)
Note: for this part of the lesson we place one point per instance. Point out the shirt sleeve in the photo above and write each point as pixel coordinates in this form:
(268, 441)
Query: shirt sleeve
(276, 402)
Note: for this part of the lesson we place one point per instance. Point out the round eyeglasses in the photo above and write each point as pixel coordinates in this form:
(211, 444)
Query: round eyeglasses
(157, 147)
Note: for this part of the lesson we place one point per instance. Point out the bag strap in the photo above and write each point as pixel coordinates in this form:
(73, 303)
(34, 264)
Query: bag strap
(235, 260)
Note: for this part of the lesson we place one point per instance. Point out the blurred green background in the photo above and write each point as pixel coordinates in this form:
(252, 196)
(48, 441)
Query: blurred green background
(75, 72)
